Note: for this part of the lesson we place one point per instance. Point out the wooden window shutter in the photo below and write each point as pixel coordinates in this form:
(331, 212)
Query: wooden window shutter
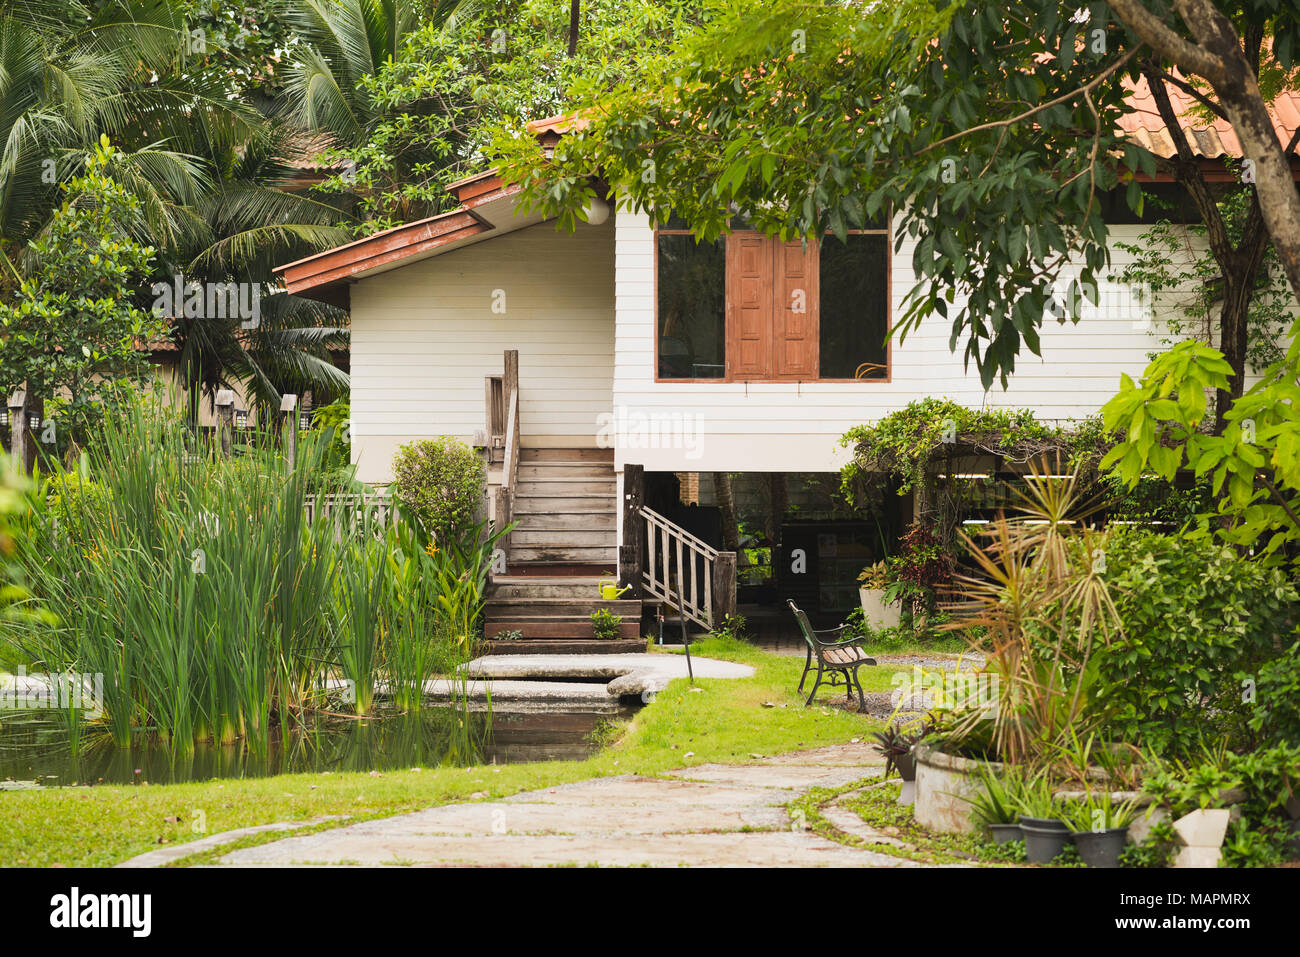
(749, 306)
(795, 332)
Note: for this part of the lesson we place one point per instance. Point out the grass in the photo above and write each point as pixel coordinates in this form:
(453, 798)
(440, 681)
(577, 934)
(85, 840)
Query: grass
(723, 720)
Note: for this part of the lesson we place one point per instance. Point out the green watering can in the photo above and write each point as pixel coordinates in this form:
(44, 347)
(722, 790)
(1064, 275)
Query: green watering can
(609, 589)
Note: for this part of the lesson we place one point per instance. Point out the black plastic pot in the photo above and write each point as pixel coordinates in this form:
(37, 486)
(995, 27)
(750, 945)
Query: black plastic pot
(1101, 848)
(1006, 833)
(1044, 838)
(906, 765)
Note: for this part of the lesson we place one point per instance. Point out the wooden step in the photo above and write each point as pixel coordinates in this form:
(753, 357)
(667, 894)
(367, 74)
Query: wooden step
(566, 455)
(563, 537)
(529, 503)
(561, 646)
(577, 521)
(565, 554)
(591, 488)
(570, 626)
(568, 471)
(567, 607)
(571, 589)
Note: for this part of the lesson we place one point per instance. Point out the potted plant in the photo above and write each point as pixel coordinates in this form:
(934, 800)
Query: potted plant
(993, 808)
(1100, 827)
(1040, 818)
(896, 743)
(877, 613)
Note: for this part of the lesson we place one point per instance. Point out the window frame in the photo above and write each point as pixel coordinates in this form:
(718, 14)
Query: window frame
(728, 378)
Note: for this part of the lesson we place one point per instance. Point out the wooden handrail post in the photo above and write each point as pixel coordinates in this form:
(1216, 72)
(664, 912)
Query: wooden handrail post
(225, 421)
(510, 373)
(289, 429)
(631, 549)
(724, 587)
(18, 444)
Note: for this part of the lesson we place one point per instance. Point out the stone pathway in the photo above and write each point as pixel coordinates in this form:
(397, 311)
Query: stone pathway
(714, 815)
(589, 682)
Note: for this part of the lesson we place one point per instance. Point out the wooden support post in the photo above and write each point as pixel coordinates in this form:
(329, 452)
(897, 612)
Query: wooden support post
(724, 587)
(19, 447)
(225, 421)
(289, 429)
(510, 376)
(629, 552)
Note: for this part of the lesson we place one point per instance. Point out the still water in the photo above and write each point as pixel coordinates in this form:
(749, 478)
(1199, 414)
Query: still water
(34, 748)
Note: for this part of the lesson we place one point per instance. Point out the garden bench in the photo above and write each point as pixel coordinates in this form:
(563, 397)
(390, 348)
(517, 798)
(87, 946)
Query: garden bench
(838, 657)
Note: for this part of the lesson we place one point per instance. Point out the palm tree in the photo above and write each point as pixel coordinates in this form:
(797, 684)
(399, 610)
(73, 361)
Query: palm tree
(208, 167)
(344, 41)
(71, 72)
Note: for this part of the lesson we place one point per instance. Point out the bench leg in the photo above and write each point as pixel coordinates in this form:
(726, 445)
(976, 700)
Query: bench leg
(862, 702)
(812, 694)
(807, 666)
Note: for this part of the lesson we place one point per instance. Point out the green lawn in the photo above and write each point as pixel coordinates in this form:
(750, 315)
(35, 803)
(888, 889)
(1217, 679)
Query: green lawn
(718, 720)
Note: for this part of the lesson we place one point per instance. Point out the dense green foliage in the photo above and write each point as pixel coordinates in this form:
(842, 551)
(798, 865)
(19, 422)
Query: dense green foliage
(215, 609)
(71, 330)
(441, 481)
(1252, 467)
(1195, 617)
(429, 112)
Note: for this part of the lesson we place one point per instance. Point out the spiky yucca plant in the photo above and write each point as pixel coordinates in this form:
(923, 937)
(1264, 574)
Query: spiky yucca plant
(1039, 604)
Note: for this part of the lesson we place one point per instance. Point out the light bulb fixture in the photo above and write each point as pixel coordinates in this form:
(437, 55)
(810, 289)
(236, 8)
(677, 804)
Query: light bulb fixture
(596, 212)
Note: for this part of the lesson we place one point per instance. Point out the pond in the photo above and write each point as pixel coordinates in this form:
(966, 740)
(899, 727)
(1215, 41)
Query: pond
(34, 748)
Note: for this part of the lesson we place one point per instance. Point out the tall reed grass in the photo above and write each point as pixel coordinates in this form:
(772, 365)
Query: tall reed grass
(215, 610)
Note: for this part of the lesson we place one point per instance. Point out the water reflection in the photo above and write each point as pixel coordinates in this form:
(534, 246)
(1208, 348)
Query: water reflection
(34, 747)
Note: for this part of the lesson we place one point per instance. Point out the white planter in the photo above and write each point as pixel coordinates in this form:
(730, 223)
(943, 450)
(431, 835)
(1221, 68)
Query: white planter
(875, 612)
(943, 781)
(1206, 827)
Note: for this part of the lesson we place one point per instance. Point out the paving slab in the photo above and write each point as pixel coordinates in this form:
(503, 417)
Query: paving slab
(785, 777)
(630, 674)
(649, 792)
(836, 755)
(710, 815)
(753, 849)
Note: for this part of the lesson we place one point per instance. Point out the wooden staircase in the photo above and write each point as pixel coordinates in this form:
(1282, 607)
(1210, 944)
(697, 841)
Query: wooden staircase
(564, 543)
(565, 501)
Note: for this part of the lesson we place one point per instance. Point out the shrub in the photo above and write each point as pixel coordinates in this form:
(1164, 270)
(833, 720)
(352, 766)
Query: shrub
(441, 481)
(605, 624)
(732, 626)
(1275, 717)
(74, 500)
(1194, 616)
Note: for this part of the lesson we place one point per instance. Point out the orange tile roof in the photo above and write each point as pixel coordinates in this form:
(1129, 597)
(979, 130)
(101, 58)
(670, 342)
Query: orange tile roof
(1209, 137)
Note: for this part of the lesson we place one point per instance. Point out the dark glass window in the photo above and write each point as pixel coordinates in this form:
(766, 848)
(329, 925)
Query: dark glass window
(854, 278)
(692, 308)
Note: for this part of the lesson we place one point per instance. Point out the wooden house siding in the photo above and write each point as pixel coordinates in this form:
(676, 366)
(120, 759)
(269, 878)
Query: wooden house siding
(796, 425)
(425, 335)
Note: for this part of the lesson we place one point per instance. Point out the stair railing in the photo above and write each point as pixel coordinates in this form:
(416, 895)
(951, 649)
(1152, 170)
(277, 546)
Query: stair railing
(686, 572)
(505, 500)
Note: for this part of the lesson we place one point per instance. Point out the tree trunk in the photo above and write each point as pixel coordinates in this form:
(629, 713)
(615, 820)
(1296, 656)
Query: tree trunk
(575, 8)
(727, 506)
(1214, 53)
(778, 500)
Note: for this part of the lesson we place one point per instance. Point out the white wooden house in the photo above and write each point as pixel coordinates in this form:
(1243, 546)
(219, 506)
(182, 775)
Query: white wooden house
(583, 360)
